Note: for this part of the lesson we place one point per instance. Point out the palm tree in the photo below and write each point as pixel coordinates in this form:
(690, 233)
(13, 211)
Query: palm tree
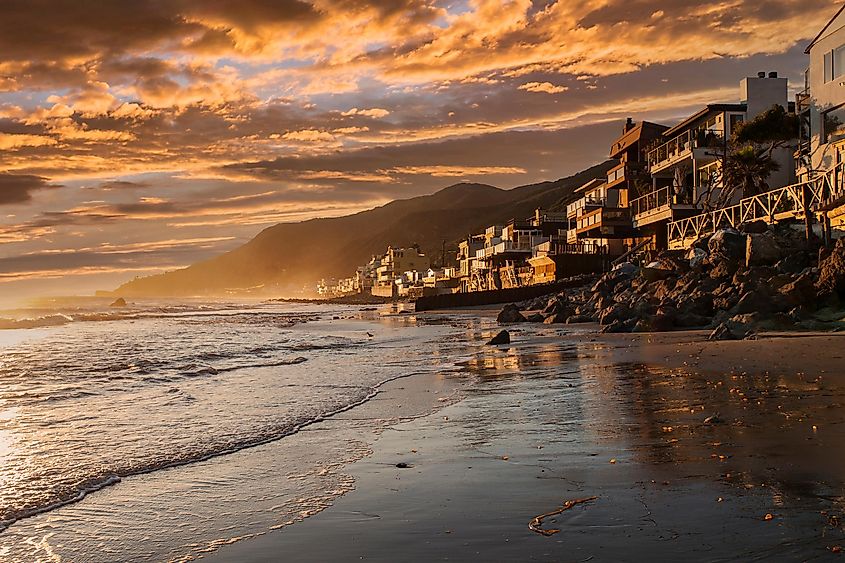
(746, 169)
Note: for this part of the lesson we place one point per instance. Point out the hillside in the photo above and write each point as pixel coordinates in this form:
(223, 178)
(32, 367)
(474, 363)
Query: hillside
(290, 255)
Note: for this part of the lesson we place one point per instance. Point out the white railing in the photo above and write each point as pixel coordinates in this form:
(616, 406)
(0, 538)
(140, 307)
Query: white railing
(771, 206)
(651, 201)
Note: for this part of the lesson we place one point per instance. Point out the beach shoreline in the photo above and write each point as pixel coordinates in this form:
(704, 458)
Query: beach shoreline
(679, 468)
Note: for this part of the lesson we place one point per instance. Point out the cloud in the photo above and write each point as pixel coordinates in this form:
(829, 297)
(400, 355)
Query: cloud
(12, 142)
(18, 188)
(309, 136)
(545, 87)
(375, 113)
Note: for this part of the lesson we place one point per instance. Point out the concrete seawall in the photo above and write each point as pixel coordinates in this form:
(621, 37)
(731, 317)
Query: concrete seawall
(476, 298)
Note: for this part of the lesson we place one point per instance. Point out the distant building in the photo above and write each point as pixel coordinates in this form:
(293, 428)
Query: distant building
(392, 266)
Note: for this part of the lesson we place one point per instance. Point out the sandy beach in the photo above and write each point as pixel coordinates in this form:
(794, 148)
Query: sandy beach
(694, 450)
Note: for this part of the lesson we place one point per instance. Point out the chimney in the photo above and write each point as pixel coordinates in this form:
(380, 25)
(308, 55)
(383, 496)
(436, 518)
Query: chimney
(629, 124)
(773, 75)
(761, 75)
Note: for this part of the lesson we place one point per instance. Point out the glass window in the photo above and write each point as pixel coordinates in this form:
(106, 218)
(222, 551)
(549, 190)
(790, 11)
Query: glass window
(839, 62)
(833, 123)
(828, 66)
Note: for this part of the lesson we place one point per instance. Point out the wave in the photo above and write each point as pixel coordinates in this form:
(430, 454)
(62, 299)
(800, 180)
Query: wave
(204, 315)
(39, 322)
(79, 491)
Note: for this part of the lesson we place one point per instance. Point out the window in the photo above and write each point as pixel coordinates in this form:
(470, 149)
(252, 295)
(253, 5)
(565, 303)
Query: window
(833, 123)
(834, 64)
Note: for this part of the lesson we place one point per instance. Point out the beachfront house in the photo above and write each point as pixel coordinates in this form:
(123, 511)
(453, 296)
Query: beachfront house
(686, 166)
(394, 263)
(821, 107)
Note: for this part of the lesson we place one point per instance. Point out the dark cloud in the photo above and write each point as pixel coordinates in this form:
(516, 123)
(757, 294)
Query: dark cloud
(18, 188)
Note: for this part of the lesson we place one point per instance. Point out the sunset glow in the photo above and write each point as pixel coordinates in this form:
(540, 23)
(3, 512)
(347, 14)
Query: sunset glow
(142, 137)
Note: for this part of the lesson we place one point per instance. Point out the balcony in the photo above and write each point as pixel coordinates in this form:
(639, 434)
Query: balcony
(802, 101)
(693, 142)
(605, 222)
(657, 206)
(616, 175)
(590, 202)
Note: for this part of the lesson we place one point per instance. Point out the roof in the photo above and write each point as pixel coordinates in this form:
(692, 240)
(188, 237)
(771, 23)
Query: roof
(591, 184)
(695, 117)
(541, 261)
(624, 141)
(824, 29)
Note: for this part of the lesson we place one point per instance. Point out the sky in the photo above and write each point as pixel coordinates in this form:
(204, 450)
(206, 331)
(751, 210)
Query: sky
(138, 137)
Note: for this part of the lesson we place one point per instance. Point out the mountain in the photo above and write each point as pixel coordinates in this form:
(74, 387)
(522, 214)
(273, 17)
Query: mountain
(292, 255)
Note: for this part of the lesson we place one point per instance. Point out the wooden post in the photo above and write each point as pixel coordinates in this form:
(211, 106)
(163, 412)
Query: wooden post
(808, 218)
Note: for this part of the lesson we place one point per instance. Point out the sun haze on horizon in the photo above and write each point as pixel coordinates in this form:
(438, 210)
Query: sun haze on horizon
(143, 139)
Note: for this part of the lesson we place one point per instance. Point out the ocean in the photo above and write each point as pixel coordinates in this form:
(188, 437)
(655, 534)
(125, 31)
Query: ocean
(184, 427)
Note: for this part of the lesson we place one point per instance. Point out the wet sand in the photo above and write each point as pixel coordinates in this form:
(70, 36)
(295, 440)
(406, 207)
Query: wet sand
(723, 451)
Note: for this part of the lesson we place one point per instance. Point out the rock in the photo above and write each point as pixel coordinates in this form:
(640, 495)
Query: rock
(722, 332)
(696, 256)
(691, 320)
(802, 291)
(723, 269)
(832, 271)
(753, 302)
(535, 318)
(579, 319)
(793, 263)
(625, 269)
(510, 315)
(402, 465)
(755, 227)
(655, 272)
(761, 250)
(503, 337)
(556, 319)
(620, 326)
(743, 324)
(617, 312)
(119, 302)
(729, 244)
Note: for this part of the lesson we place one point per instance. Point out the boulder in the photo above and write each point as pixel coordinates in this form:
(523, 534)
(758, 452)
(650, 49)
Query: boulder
(579, 319)
(119, 302)
(617, 312)
(793, 263)
(696, 256)
(503, 337)
(755, 227)
(620, 326)
(728, 244)
(556, 319)
(832, 271)
(722, 332)
(800, 292)
(625, 269)
(761, 250)
(535, 318)
(723, 269)
(510, 315)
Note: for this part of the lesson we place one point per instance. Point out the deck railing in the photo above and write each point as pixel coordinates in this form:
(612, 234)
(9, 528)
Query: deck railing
(771, 206)
(650, 201)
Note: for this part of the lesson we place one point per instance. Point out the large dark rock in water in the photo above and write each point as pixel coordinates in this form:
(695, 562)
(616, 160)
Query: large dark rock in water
(510, 315)
(832, 271)
(119, 302)
(503, 337)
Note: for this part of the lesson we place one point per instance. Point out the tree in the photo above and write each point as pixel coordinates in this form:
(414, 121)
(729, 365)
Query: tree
(746, 169)
(747, 161)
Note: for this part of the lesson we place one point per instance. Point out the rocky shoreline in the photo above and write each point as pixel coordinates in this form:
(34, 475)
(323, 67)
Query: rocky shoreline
(735, 283)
